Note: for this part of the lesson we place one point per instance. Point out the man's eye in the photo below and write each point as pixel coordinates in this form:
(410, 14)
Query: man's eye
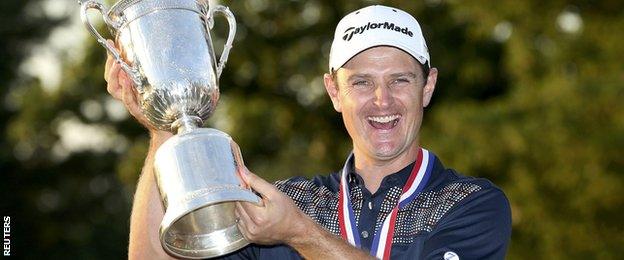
(402, 80)
(361, 83)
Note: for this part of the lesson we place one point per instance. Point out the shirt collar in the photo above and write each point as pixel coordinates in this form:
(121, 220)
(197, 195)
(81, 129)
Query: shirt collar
(397, 179)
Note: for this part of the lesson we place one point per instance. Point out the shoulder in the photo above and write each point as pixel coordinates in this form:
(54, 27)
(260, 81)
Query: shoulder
(466, 193)
(450, 196)
(478, 192)
(477, 211)
(461, 189)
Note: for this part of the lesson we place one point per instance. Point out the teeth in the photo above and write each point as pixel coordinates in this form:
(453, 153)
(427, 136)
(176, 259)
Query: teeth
(383, 119)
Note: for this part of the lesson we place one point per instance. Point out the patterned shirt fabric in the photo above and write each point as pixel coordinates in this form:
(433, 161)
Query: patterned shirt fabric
(453, 215)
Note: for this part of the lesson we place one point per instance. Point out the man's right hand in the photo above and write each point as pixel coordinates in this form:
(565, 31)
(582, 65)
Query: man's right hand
(121, 87)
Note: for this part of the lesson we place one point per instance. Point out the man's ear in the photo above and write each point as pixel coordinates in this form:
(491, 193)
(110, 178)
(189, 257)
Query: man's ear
(332, 90)
(429, 86)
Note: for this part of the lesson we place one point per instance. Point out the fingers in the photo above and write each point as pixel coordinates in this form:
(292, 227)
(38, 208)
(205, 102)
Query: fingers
(244, 222)
(242, 215)
(109, 59)
(119, 85)
(129, 99)
(117, 79)
(112, 80)
(109, 64)
(240, 166)
(111, 75)
(258, 184)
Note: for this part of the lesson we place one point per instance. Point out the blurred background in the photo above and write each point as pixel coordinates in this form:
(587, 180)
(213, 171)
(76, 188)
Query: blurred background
(530, 95)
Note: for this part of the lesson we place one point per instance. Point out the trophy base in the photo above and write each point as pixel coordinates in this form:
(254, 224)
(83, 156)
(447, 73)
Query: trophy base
(209, 231)
(198, 178)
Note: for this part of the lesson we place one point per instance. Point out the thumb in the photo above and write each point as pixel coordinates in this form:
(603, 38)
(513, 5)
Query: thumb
(258, 184)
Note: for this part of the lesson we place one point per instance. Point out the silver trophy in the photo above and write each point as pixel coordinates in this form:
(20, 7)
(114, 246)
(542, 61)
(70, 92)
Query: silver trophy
(166, 49)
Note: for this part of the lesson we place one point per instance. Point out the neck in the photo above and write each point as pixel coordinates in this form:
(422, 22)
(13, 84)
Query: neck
(373, 170)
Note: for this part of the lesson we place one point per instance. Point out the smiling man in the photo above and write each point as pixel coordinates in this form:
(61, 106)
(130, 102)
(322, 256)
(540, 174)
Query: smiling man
(392, 199)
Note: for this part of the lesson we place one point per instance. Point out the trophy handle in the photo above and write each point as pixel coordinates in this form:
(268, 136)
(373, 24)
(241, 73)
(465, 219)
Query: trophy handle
(90, 4)
(225, 11)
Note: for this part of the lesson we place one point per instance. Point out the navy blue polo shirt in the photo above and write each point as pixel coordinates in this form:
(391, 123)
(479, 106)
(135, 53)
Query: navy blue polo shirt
(454, 214)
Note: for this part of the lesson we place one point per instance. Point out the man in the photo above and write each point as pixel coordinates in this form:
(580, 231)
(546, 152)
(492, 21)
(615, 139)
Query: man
(392, 199)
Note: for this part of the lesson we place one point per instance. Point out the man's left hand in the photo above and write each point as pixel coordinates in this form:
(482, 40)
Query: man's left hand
(276, 221)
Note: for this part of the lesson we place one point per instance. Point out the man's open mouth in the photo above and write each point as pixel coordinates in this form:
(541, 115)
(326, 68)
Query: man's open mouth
(385, 122)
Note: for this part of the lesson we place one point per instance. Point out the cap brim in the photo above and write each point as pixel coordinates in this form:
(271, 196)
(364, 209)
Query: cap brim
(382, 42)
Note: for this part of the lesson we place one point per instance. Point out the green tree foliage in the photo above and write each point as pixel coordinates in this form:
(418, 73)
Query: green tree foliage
(60, 205)
(529, 96)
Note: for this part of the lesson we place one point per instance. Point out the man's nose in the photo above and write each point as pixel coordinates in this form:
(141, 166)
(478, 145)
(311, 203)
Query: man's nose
(383, 96)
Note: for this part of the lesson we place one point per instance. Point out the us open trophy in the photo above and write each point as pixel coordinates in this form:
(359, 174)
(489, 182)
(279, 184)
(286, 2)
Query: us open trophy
(166, 49)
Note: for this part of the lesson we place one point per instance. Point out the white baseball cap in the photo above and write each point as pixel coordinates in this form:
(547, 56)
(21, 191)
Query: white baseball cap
(377, 25)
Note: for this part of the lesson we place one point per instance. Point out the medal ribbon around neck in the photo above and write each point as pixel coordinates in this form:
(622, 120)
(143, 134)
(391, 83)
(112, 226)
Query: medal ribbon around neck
(382, 242)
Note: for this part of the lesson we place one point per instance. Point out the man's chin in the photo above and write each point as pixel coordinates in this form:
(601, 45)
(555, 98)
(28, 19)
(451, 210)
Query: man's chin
(389, 151)
(386, 153)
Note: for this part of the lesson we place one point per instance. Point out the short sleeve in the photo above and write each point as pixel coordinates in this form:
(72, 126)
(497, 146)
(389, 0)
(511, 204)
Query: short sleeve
(478, 228)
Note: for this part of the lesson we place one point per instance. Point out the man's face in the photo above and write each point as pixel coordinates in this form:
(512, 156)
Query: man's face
(381, 93)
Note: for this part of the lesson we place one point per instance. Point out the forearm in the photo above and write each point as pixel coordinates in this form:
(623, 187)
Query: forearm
(317, 243)
(147, 211)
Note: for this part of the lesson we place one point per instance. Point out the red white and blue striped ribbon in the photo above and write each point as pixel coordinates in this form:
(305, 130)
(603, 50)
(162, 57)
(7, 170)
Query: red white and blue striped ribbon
(382, 242)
